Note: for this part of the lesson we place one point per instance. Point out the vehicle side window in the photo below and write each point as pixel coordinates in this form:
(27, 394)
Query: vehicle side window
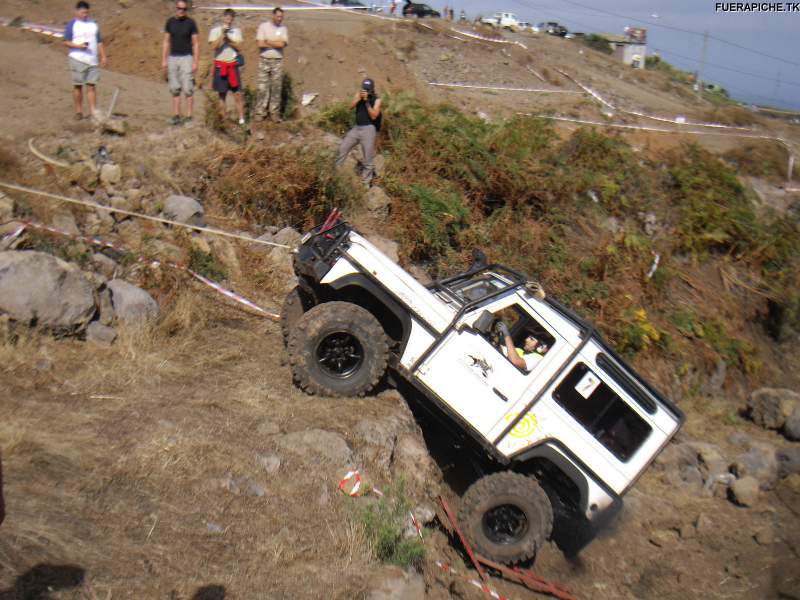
(602, 412)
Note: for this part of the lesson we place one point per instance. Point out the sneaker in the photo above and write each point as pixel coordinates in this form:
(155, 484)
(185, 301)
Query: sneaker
(78, 116)
(241, 121)
(176, 120)
(187, 120)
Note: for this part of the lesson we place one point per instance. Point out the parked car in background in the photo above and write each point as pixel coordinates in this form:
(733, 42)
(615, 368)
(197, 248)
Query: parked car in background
(414, 9)
(503, 20)
(355, 4)
(553, 28)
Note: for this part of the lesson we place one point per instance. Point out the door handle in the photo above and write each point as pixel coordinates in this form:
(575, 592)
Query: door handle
(500, 394)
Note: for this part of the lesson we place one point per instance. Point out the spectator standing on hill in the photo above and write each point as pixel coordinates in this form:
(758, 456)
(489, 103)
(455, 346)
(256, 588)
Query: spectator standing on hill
(367, 107)
(272, 38)
(226, 42)
(82, 37)
(179, 56)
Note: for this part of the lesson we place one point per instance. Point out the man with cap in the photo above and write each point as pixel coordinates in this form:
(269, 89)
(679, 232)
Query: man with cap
(367, 107)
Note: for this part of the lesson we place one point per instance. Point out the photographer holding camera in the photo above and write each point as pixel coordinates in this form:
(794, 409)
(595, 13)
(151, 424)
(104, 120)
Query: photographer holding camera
(368, 122)
(226, 41)
(86, 54)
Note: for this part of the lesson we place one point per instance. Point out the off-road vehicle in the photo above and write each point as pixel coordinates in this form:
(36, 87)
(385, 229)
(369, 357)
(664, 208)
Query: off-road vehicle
(571, 435)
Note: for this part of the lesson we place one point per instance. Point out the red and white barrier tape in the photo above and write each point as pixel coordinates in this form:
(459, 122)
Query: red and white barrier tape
(503, 89)
(35, 27)
(484, 38)
(676, 121)
(98, 242)
(478, 584)
(355, 475)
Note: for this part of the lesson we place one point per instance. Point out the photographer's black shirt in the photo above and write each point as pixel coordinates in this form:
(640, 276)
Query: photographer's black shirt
(180, 35)
(362, 116)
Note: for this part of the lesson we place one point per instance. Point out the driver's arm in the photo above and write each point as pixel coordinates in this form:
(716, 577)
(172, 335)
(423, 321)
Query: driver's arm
(515, 358)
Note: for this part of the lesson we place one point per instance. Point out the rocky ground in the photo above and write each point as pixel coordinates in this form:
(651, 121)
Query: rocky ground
(153, 443)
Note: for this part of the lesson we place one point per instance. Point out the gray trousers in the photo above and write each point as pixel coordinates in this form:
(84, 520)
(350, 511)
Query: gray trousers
(364, 135)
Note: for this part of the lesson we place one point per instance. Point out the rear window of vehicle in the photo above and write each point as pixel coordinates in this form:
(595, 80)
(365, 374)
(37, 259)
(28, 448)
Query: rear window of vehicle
(602, 412)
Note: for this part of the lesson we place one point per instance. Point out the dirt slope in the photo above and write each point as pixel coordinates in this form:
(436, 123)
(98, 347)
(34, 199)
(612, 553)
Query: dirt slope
(149, 470)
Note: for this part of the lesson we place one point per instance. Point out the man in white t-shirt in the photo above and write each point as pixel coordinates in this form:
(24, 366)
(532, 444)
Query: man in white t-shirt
(272, 38)
(226, 43)
(82, 37)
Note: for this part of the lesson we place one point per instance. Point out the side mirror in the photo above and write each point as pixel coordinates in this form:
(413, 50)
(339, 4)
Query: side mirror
(483, 324)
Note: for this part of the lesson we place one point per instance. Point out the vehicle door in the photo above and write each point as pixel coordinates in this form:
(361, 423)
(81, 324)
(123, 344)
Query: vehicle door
(470, 373)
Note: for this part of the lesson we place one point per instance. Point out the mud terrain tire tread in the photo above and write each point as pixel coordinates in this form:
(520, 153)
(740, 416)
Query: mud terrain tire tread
(295, 305)
(507, 488)
(330, 317)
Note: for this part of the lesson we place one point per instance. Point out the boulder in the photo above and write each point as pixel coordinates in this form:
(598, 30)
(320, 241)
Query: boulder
(131, 304)
(100, 334)
(110, 174)
(378, 202)
(37, 288)
(269, 462)
(65, 221)
(287, 236)
(105, 306)
(744, 491)
(709, 459)
(115, 126)
(393, 583)
(379, 164)
(388, 247)
(184, 209)
(316, 445)
(791, 428)
(760, 463)
(770, 407)
(788, 491)
(788, 461)
(104, 265)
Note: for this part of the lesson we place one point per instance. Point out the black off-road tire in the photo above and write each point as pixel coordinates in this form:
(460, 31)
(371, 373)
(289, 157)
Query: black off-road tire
(324, 344)
(296, 303)
(516, 500)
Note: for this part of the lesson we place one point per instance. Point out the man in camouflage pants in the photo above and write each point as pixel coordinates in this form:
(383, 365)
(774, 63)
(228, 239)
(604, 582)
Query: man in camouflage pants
(272, 38)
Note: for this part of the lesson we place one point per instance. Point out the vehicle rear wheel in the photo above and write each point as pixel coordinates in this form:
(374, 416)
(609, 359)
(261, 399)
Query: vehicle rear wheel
(338, 349)
(507, 517)
(296, 303)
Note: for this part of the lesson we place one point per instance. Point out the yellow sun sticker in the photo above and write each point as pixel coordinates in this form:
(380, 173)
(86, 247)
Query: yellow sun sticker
(525, 427)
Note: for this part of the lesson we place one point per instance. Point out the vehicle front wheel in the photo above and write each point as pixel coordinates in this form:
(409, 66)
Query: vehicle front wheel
(507, 517)
(338, 349)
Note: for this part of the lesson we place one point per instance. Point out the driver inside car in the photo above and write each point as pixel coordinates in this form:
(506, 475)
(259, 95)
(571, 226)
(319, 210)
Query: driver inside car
(526, 357)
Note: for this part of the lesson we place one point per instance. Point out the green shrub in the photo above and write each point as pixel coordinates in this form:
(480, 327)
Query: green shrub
(206, 264)
(598, 42)
(336, 118)
(384, 522)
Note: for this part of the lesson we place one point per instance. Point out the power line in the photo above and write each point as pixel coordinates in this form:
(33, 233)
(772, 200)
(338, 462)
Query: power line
(740, 72)
(689, 31)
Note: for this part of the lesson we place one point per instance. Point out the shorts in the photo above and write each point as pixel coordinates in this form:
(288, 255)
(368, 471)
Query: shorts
(222, 85)
(179, 75)
(83, 73)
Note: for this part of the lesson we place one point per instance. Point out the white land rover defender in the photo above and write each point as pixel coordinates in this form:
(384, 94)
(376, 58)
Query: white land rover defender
(573, 433)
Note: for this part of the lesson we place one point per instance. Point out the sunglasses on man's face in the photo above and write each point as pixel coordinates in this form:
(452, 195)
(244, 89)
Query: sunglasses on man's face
(182, 8)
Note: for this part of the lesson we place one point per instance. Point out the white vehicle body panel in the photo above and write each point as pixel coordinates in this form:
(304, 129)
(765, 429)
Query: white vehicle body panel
(399, 283)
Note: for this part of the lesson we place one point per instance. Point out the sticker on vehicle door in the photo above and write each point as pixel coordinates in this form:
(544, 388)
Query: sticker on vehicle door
(587, 384)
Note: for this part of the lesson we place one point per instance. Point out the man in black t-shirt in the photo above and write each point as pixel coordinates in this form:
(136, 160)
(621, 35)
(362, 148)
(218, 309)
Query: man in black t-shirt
(179, 58)
(367, 106)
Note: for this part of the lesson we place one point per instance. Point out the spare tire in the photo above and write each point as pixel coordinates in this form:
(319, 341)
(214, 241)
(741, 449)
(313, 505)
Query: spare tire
(338, 349)
(507, 517)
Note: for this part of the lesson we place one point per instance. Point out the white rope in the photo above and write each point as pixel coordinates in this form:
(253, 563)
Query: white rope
(52, 161)
(120, 211)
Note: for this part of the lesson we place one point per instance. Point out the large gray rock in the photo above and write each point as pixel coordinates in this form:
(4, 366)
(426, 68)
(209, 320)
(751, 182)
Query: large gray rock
(760, 463)
(38, 288)
(318, 444)
(744, 492)
(110, 174)
(770, 407)
(184, 209)
(65, 221)
(392, 583)
(389, 247)
(788, 461)
(131, 304)
(791, 428)
(287, 236)
(100, 334)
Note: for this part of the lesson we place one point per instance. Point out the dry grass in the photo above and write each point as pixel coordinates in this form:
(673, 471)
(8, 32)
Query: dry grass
(730, 115)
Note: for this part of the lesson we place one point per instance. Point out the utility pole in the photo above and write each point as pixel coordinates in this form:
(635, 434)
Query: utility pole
(702, 65)
(777, 88)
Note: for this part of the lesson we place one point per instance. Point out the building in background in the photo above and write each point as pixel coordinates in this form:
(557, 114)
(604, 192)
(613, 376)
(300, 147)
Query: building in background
(630, 48)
